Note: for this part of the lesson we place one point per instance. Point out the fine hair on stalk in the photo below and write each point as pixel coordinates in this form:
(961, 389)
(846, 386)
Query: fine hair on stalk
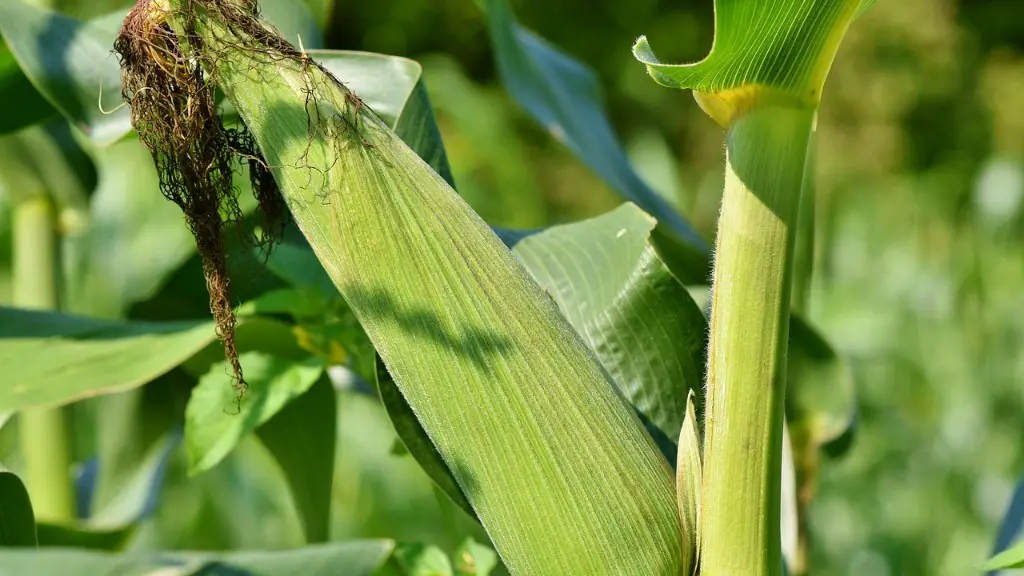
(174, 111)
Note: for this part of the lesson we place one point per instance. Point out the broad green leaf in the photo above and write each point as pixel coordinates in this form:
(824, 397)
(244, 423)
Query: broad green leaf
(640, 322)
(422, 560)
(301, 437)
(564, 96)
(68, 61)
(50, 359)
(821, 398)
(359, 558)
(416, 441)
(137, 495)
(61, 536)
(134, 237)
(1012, 558)
(15, 87)
(217, 417)
(1011, 528)
(688, 484)
(637, 318)
(17, 521)
(293, 20)
(784, 57)
(474, 559)
(498, 378)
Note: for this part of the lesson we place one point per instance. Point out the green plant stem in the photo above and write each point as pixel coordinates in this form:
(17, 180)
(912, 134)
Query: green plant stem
(766, 151)
(42, 431)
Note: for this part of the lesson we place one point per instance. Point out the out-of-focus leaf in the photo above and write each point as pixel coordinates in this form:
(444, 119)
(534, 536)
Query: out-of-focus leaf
(1012, 558)
(298, 302)
(134, 237)
(689, 473)
(301, 437)
(254, 334)
(217, 416)
(474, 559)
(639, 320)
(1011, 529)
(789, 513)
(358, 558)
(564, 96)
(15, 87)
(32, 162)
(68, 61)
(422, 560)
(49, 359)
(17, 521)
(137, 498)
(61, 536)
(294, 20)
(821, 396)
(461, 326)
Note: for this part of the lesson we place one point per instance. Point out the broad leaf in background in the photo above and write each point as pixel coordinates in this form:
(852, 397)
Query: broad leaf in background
(218, 416)
(358, 558)
(68, 61)
(474, 559)
(301, 438)
(32, 108)
(564, 96)
(640, 321)
(49, 359)
(72, 64)
(137, 497)
(17, 521)
(134, 237)
(1010, 530)
(61, 536)
(499, 380)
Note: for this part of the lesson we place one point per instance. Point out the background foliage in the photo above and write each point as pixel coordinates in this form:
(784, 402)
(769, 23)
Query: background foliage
(919, 275)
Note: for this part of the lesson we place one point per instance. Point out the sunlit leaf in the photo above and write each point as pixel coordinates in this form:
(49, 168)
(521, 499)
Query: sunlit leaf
(564, 96)
(50, 359)
(17, 521)
(218, 416)
(301, 437)
(1011, 558)
(499, 380)
(359, 558)
(783, 58)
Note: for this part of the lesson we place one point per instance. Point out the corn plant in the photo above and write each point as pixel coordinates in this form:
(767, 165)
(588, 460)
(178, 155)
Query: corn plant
(554, 384)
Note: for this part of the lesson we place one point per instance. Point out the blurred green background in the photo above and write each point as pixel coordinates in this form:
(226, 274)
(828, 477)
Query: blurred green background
(919, 261)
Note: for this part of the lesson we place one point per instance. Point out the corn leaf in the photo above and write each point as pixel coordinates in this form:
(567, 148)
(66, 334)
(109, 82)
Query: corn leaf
(301, 438)
(17, 521)
(1012, 558)
(497, 377)
(787, 54)
(564, 96)
(50, 359)
(359, 558)
(65, 536)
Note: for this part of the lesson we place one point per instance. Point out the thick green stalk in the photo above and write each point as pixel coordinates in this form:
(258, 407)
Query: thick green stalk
(42, 431)
(766, 152)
